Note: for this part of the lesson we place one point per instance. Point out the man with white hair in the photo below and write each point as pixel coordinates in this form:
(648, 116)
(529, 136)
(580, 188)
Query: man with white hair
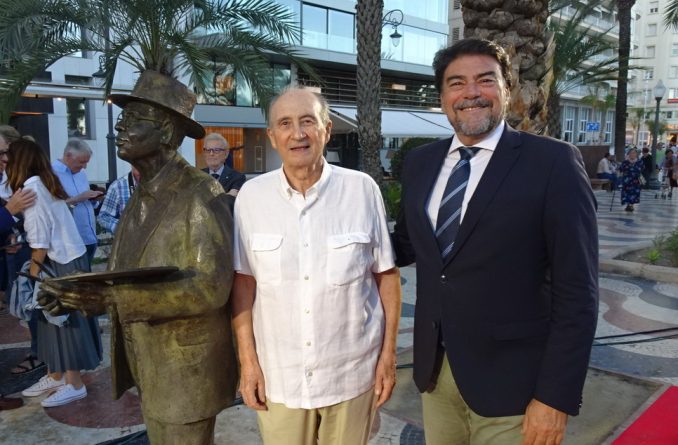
(71, 172)
(215, 152)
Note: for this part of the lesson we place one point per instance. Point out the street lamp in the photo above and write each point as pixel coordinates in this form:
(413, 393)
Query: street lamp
(659, 90)
(393, 18)
(110, 137)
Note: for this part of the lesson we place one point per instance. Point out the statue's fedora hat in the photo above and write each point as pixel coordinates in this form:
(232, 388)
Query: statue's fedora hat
(167, 93)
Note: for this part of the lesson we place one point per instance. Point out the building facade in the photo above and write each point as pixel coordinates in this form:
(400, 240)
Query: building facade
(656, 51)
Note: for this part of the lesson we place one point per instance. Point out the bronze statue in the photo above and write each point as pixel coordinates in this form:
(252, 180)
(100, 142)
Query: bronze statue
(171, 337)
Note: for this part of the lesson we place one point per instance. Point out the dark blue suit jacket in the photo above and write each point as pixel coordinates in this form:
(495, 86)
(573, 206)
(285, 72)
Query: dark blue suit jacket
(516, 304)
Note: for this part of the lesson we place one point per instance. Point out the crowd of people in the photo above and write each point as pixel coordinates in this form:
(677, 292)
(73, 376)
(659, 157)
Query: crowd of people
(634, 173)
(316, 292)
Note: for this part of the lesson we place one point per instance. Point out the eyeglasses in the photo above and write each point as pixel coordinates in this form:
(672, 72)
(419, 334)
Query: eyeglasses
(125, 116)
(214, 151)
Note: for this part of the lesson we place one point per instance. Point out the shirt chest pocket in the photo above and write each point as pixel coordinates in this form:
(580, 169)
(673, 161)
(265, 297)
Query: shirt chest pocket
(348, 257)
(266, 252)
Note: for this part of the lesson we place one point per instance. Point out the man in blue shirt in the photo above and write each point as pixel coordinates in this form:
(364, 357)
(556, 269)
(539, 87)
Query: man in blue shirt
(71, 172)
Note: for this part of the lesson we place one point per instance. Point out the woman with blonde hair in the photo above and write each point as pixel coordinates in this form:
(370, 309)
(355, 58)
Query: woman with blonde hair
(54, 240)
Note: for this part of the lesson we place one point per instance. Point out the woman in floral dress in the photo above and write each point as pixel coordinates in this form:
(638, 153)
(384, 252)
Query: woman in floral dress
(631, 170)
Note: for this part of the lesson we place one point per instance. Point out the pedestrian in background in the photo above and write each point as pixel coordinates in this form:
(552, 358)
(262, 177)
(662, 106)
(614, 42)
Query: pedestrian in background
(53, 237)
(631, 170)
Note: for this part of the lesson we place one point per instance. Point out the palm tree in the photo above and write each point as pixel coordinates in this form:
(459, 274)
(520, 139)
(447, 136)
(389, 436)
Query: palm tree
(583, 56)
(174, 37)
(368, 80)
(662, 127)
(624, 17)
(671, 15)
(636, 117)
(519, 27)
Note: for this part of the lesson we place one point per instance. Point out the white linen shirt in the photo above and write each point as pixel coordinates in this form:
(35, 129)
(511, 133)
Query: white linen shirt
(318, 318)
(478, 165)
(49, 225)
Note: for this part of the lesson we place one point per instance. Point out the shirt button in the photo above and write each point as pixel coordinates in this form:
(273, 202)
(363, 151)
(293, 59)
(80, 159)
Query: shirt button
(308, 343)
(308, 311)
(309, 374)
(305, 244)
(306, 277)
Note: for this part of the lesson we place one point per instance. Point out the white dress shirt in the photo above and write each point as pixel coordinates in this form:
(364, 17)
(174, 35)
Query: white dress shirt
(50, 225)
(317, 315)
(478, 164)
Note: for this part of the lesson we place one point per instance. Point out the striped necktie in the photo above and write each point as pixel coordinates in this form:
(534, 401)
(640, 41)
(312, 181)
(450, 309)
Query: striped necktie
(449, 213)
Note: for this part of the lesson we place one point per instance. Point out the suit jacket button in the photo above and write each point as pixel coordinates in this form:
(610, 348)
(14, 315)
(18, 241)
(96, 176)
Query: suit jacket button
(443, 278)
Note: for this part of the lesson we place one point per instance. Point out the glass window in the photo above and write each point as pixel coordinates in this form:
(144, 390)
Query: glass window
(673, 72)
(433, 10)
(294, 7)
(416, 45)
(314, 23)
(281, 77)
(651, 29)
(674, 49)
(583, 120)
(649, 51)
(77, 117)
(244, 96)
(649, 74)
(654, 7)
(341, 28)
(608, 126)
(569, 124)
(669, 114)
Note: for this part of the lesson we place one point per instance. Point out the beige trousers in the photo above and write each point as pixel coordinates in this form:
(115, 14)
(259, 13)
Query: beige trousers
(449, 421)
(346, 423)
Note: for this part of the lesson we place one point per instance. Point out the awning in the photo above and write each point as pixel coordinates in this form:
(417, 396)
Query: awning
(399, 123)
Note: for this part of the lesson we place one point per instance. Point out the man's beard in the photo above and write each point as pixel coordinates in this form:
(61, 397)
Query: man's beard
(477, 127)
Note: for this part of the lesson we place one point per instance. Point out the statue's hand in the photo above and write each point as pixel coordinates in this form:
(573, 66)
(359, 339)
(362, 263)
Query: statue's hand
(90, 299)
(50, 303)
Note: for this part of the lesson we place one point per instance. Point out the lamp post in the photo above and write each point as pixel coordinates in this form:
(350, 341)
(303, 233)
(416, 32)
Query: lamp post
(659, 90)
(110, 137)
(393, 18)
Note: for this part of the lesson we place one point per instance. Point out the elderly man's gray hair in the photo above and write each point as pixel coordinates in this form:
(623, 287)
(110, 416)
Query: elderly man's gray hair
(77, 147)
(216, 137)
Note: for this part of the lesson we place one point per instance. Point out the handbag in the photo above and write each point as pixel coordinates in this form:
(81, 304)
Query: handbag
(642, 180)
(21, 303)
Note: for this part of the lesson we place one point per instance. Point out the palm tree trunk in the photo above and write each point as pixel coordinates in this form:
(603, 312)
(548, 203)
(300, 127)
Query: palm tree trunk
(624, 15)
(368, 80)
(519, 27)
(554, 117)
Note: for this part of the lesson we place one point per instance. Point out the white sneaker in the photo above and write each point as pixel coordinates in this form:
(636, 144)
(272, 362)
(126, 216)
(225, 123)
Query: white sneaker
(45, 384)
(65, 394)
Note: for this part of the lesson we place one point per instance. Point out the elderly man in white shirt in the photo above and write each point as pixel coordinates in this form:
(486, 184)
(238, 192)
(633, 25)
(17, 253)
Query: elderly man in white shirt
(316, 298)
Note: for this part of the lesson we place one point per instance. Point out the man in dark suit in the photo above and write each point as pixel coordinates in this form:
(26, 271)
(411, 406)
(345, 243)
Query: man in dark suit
(502, 227)
(215, 151)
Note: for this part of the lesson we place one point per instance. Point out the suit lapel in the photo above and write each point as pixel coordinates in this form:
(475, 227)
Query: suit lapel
(503, 159)
(433, 159)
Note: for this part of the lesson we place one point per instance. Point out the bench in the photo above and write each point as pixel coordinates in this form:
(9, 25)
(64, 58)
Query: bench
(600, 184)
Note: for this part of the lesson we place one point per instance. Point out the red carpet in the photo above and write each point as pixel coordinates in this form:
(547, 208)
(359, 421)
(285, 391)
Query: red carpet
(658, 425)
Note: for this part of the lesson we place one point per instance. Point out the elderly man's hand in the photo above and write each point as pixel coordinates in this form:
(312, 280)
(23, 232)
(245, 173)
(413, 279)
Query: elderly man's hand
(58, 296)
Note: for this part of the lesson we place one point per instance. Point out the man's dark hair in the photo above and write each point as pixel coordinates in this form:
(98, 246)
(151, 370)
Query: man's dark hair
(471, 47)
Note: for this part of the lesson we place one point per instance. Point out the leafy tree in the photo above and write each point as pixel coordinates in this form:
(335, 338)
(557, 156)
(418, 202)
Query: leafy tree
(583, 56)
(174, 37)
(368, 80)
(662, 127)
(636, 116)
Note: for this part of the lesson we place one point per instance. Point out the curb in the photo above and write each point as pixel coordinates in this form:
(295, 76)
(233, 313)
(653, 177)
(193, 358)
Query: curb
(647, 271)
